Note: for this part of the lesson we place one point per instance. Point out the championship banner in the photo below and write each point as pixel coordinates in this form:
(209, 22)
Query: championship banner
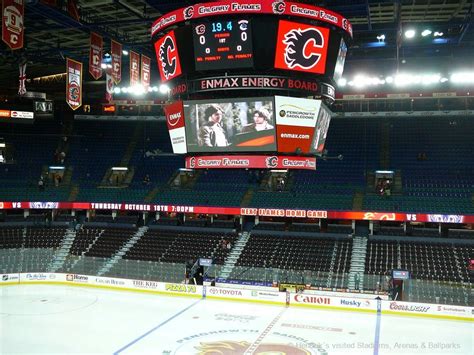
(246, 7)
(251, 162)
(74, 84)
(109, 87)
(116, 52)
(134, 68)
(145, 72)
(95, 55)
(12, 23)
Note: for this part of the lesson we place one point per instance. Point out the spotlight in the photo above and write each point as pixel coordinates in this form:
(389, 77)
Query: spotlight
(107, 55)
(124, 52)
(342, 82)
(426, 33)
(164, 89)
(410, 33)
(103, 66)
(438, 34)
(117, 90)
(443, 80)
(381, 38)
(389, 79)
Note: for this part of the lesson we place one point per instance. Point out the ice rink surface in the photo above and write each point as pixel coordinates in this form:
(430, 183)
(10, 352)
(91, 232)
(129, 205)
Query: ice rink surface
(44, 319)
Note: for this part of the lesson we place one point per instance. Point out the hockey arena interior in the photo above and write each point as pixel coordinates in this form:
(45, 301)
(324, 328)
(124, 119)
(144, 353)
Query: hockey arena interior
(237, 177)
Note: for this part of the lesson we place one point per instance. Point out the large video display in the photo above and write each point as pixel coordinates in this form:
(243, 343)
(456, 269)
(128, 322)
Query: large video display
(223, 45)
(232, 125)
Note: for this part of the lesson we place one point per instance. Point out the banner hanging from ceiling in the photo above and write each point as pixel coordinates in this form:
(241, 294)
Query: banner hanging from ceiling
(145, 72)
(109, 87)
(12, 23)
(134, 68)
(95, 55)
(73, 83)
(116, 49)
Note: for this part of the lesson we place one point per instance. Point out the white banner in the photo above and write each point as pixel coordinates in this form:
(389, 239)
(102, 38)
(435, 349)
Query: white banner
(292, 111)
(9, 278)
(246, 295)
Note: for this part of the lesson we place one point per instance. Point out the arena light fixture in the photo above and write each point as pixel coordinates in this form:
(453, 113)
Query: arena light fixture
(389, 79)
(443, 80)
(124, 52)
(438, 34)
(381, 38)
(137, 90)
(103, 66)
(426, 33)
(462, 78)
(342, 82)
(410, 33)
(164, 89)
(117, 90)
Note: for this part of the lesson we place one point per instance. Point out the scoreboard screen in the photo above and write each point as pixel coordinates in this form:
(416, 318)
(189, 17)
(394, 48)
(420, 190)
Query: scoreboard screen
(223, 45)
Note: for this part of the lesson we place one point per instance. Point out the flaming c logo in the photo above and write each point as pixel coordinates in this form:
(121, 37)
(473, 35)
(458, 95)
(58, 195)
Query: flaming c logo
(188, 12)
(168, 62)
(278, 7)
(299, 48)
(240, 348)
(271, 162)
(192, 163)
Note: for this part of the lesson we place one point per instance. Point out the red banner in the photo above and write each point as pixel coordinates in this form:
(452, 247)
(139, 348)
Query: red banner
(250, 161)
(95, 55)
(146, 72)
(74, 84)
(244, 211)
(134, 68)
(12, 23)
(243, 7)
(116, 53)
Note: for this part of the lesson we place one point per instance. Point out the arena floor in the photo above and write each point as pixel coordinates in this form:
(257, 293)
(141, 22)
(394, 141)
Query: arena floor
(44, 319)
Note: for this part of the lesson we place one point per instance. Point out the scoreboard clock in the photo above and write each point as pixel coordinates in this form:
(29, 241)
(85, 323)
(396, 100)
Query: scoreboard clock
(223, 45)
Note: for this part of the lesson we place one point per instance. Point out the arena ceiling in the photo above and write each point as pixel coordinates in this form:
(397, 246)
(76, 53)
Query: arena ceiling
(52, 34)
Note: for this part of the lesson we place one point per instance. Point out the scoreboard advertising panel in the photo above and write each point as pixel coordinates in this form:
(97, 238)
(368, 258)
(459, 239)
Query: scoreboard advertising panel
(264, 124)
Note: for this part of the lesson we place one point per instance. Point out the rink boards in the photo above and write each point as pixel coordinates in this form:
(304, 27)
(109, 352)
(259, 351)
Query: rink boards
(311, 299)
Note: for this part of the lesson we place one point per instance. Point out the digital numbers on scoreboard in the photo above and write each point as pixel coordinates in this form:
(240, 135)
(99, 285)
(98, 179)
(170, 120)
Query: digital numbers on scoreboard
(223, 45)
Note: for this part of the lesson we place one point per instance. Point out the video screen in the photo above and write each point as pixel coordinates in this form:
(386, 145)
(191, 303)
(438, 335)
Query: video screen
(341, 59)
(232, 125)
(223, 45)
(321, 132)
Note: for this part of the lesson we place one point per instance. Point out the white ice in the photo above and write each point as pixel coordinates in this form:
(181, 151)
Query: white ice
(45, 319)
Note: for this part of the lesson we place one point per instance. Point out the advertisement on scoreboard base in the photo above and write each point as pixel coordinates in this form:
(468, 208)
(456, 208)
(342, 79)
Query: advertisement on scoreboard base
(296, 120)
(230, 125)
(175, 120)
(250, 162)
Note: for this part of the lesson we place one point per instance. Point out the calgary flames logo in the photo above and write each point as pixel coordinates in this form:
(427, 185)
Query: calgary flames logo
(188, 12)
(192, 163)
(168, 62)
(271, 162)
(298, 52)
(240, 348)
(278, 7)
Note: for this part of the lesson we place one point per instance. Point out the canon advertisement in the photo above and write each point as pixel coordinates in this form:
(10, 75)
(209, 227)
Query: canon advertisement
(175, 121)
(232, 125)
(296, 120)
